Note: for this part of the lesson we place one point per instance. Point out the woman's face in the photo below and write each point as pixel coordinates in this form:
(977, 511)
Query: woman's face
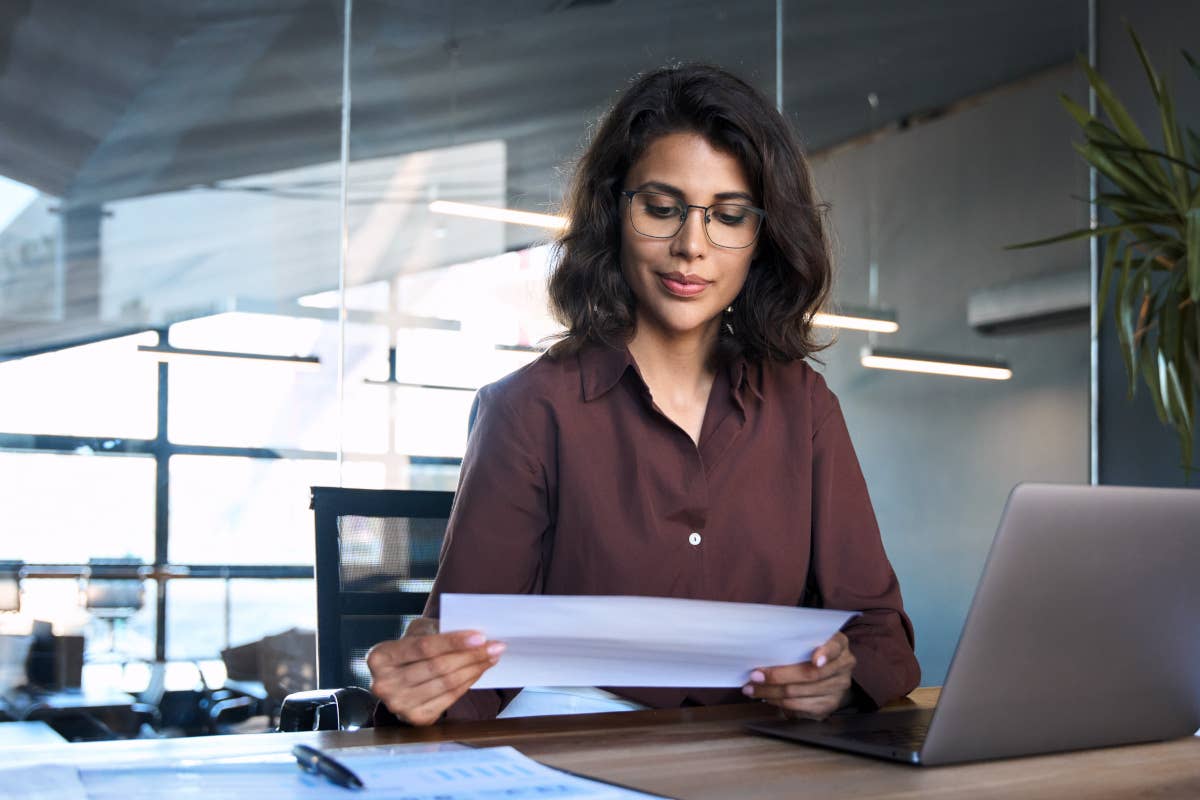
(683, 284)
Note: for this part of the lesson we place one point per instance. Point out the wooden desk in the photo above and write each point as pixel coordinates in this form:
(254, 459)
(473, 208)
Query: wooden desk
(704, 753)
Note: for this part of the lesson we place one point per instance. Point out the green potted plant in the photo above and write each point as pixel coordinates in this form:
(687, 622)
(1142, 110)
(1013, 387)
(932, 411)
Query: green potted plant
(1152, 250)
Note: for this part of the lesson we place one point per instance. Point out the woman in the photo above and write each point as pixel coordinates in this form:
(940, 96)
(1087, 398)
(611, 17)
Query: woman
(674, 442)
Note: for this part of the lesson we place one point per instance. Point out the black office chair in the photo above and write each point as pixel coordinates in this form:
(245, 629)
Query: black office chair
(376, 557)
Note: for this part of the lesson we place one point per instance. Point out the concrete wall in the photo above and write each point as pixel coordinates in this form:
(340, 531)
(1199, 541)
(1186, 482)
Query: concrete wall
(941, 454)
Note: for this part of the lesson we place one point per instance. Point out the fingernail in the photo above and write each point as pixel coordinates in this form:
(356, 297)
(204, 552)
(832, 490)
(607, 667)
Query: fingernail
(819, 661)
(496, 648)
(757, 676)
(476, 639)
(748, 691)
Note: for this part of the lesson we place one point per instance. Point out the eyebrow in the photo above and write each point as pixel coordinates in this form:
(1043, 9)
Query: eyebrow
(666, 188)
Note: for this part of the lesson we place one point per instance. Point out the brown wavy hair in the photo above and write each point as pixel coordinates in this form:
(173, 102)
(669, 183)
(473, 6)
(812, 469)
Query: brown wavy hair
(791, 274)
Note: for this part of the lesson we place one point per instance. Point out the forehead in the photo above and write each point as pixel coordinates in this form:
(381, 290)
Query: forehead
(689, 162)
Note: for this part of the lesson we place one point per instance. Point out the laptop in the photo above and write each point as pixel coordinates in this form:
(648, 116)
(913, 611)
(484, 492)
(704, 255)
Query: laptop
(1084, 632)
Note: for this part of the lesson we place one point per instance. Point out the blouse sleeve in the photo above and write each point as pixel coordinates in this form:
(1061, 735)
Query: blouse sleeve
(850, 569)
(498, 527)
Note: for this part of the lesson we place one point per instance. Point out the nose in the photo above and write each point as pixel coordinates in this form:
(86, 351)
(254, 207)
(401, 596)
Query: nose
(691, 240)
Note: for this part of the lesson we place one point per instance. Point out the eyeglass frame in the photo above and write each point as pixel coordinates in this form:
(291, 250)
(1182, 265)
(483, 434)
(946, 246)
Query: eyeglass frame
(687, 207)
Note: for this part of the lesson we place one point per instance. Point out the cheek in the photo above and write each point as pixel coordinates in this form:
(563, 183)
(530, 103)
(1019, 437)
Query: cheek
(742, 273)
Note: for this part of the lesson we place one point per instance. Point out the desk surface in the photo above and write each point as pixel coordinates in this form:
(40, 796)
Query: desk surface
(705, 753)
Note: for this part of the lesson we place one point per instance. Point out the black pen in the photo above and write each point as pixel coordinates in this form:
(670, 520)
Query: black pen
(310, 759)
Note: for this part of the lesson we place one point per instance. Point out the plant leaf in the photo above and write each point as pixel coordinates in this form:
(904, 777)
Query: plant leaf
(1122, 120)
(1151, 75)
(1078, 112)
(1170, 126)
(1180, 402)
(1173, 143)
(1081, 233)
(1191, 62)
(1122, 203)
(1175, 161)
(1123, 316)
(1149, 374)
(1113, 107)
(1106, 274)
(1137, 185)
(1193, 254)
(1169, 339)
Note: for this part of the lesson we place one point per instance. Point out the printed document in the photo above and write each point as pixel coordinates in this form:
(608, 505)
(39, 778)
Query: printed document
(444, 771)
(559, 640)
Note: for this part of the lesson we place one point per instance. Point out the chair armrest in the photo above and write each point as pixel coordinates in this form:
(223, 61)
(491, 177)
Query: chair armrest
(345, 709)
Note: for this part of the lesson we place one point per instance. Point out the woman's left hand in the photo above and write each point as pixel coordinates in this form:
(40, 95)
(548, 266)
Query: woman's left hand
(814, 689)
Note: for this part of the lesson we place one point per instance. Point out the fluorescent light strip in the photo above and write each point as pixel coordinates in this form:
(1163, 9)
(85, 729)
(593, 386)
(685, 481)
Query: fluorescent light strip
(409, 385)
(855, 323)
(498, 214)
(905, 361)
(185, 354)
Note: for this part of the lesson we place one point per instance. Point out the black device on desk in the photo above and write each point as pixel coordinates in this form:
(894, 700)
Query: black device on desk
(1084, 632)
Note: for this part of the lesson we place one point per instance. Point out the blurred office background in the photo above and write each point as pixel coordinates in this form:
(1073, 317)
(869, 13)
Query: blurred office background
(172, 177)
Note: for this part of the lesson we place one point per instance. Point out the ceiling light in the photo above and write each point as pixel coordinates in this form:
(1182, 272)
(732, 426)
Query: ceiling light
(872, 320)
(935, 364)
(167, 353)
(498, 214)
(521, 348)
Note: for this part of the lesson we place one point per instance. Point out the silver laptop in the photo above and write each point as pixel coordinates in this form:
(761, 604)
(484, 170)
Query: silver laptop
(1084, 632)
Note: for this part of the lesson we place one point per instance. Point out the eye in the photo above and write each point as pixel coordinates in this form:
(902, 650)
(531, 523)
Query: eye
(661, 211)
(732, 216)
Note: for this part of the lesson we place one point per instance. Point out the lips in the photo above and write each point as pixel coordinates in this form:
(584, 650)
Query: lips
(682, 285)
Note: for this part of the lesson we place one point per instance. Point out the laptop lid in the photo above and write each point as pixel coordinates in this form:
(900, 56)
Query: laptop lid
(1084, 632)
(1085, 629)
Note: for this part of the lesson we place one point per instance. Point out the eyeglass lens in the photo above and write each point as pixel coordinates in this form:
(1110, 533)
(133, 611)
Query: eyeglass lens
(661, 216)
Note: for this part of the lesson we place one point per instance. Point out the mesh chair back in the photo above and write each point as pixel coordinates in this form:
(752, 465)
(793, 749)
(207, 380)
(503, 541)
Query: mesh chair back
(377, 554)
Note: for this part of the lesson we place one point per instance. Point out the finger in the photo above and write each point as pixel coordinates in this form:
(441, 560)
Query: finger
(422, 626)
(809, 708)
(425, 679)
(419, 672)
(806, 672)
(831, 650)
(835, 685)
(424, 704)
(419, 648)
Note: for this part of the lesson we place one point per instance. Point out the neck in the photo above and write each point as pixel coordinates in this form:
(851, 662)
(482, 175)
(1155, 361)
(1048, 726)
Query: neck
(676, 364)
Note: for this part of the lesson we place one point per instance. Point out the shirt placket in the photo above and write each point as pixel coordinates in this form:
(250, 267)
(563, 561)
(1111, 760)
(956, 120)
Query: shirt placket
(699, 462)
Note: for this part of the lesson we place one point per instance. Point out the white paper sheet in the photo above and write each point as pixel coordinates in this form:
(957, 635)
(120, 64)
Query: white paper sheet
(41, 782)
(404, 772)
(557, 640)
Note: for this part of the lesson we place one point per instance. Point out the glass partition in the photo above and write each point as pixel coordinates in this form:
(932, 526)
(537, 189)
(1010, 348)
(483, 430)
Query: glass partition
(195, 328)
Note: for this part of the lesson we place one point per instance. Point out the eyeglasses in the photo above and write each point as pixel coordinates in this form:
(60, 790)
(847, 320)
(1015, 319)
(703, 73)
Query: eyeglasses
(661, 216)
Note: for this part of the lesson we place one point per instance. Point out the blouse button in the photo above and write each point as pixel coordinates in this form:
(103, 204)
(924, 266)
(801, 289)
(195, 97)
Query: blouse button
(694, 539)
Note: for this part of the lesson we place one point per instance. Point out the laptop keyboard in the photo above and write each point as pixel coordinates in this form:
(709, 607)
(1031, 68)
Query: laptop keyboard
(910, 737)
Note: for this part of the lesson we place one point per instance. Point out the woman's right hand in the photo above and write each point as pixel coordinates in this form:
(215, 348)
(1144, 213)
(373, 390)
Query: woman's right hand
(419, 675)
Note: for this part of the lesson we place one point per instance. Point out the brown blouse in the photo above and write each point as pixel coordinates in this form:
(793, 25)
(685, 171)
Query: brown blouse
(574, 482)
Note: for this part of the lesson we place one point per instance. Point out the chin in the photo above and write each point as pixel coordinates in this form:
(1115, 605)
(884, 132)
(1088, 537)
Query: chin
(681, 321)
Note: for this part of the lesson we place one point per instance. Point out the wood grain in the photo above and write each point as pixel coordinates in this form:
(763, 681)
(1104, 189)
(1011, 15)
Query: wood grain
(705, 753)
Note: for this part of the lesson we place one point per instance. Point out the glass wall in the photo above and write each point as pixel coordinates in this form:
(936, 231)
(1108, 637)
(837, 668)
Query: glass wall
(171, 184)
(195, 328)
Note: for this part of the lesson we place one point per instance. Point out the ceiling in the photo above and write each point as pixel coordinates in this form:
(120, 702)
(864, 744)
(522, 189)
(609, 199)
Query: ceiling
(101, 102)
(129, 97)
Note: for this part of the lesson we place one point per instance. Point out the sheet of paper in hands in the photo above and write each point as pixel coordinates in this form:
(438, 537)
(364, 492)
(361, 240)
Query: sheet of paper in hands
(559, 640)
